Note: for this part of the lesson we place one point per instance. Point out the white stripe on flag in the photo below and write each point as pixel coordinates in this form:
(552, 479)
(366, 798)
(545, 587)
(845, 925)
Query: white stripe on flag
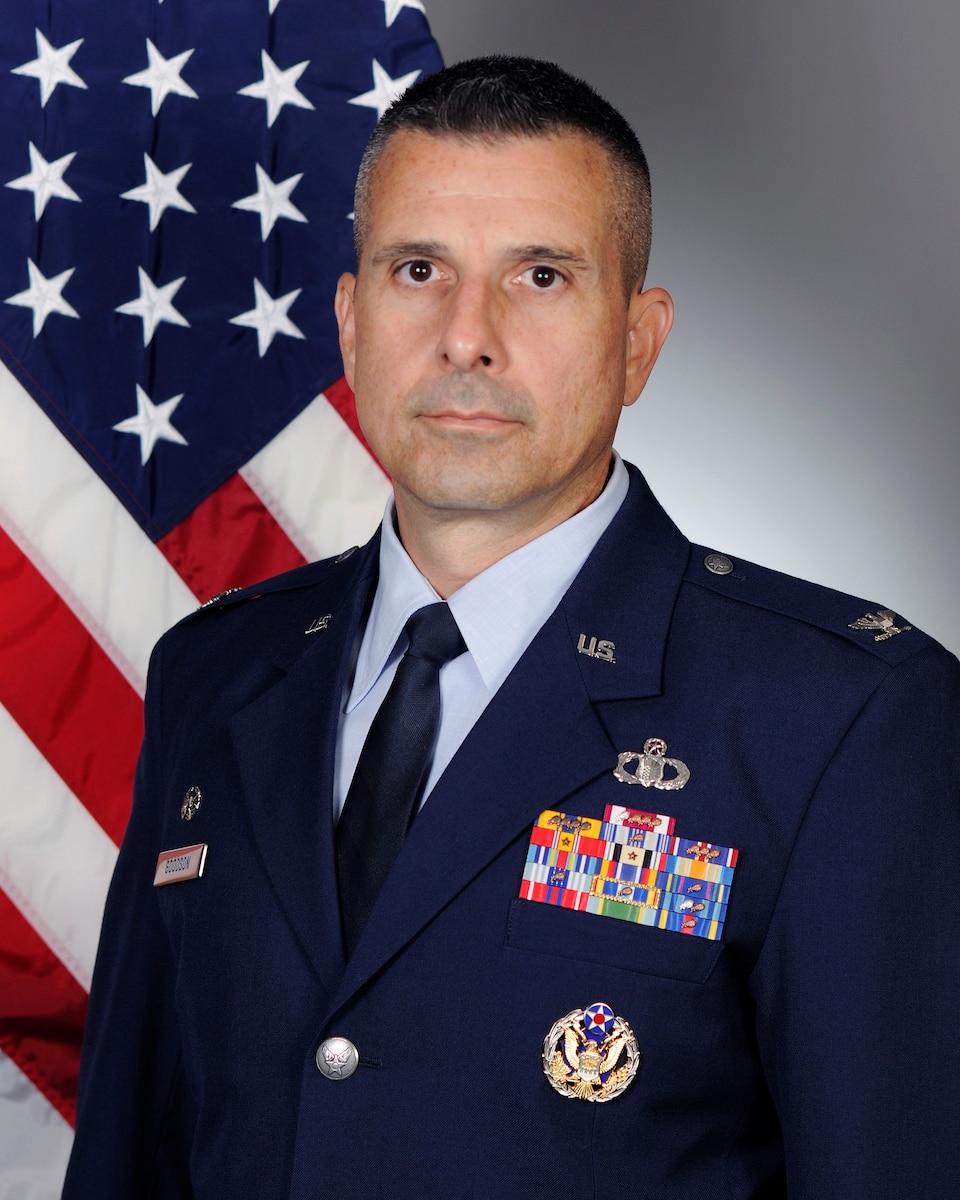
(55, 860)
(35, 1140)
(81, 538)
(319, 483)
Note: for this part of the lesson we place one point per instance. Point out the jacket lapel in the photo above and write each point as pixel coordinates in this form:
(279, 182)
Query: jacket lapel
(547, 733)
(506, 772)
(285, 744)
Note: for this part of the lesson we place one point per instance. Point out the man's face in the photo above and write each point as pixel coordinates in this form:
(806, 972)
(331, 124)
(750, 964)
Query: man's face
(487, 335)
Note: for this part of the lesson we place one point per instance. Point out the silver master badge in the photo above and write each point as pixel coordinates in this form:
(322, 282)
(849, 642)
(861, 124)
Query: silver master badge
(649, 771)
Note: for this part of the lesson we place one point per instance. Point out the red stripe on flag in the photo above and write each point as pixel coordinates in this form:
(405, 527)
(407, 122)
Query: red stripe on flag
(41, 1019)
(340, 397)
(229, 540)
(65, 694)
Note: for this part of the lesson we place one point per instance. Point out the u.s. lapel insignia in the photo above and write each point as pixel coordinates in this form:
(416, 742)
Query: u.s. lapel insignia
(595, 647)
(319, 624)
(884, 620)
(590, 1054)
(649, 771)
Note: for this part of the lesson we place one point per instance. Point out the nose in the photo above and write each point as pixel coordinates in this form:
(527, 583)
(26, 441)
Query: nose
(471, 335)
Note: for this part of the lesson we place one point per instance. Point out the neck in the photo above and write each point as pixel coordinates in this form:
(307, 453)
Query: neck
(451, 546)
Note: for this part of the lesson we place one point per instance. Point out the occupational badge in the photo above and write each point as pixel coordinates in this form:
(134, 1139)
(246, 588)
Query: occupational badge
(590, 1054)
(192, 799)
(650, 769)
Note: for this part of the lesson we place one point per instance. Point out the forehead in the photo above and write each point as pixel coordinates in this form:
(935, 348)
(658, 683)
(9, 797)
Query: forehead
(556, 180)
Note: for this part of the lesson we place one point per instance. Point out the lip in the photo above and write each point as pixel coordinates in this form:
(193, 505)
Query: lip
(471, 420)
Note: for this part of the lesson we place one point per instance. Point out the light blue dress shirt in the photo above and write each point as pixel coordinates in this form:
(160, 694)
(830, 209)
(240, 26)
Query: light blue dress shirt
(499, 613)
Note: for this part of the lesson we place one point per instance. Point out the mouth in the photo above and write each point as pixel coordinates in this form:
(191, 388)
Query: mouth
(480, 421)
(471, 406)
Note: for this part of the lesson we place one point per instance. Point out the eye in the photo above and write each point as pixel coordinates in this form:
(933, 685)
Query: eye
(543, 277)
(417, 271)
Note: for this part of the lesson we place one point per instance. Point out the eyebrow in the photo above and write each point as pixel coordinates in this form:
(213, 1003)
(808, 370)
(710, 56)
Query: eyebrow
(539, 253)
(409, 250)
(552, 254)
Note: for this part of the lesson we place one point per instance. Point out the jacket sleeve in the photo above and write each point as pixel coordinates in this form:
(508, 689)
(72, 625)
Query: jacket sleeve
(858, 985)
(134, 1112)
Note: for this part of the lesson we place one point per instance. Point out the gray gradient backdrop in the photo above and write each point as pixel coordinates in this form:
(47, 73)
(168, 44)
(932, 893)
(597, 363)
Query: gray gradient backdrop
(805, 170)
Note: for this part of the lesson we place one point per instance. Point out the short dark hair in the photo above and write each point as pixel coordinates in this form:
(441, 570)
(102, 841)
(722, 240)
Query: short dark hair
(500, 96)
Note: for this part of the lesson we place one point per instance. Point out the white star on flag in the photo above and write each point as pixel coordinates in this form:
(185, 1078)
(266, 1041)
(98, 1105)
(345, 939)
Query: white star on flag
(392, 8)
(277, 87)
(272, 201)
(44, 295)
(152, 423)
(154, 305)
(160, 191)
(269, 316)
(52, 66)
(45, 180)
(385, 90)
(121, 507)
(162, 77)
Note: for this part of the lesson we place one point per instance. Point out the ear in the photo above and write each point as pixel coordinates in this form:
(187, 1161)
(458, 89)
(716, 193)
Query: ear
(649, 320)
(343, 307)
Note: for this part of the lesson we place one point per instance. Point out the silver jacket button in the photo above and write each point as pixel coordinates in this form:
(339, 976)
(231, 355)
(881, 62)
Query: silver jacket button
(718, 564)
(337, 1058)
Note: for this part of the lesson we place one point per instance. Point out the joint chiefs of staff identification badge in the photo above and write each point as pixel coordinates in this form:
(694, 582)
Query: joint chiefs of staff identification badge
(590, 1054)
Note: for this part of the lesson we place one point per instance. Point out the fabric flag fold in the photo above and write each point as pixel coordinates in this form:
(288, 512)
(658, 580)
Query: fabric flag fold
(176, 187)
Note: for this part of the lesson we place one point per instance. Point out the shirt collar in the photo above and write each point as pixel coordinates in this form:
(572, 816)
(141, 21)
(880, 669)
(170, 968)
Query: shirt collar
(499, 611)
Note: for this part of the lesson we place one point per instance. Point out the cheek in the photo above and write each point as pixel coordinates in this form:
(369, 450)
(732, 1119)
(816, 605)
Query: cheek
(586, 401)
(390, 349)
(373, 400)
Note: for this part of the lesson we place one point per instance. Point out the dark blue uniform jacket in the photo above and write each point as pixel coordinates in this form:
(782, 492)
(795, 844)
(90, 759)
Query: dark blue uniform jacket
(811, 1052)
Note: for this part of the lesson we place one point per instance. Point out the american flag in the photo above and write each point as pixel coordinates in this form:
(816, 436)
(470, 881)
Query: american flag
(176, 182)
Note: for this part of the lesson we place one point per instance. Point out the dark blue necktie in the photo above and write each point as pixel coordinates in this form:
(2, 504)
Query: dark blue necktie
(392, 770)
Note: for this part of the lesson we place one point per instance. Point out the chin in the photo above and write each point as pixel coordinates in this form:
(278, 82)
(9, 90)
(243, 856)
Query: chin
(460, 490)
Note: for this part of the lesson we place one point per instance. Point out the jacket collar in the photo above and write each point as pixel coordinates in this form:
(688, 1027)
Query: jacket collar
(547, 733)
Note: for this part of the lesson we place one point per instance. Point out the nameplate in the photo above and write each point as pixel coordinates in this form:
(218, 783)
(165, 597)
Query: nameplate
(173, 866)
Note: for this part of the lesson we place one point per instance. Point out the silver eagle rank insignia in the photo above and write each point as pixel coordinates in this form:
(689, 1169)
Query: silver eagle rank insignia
(590, 1054)
(884, 620)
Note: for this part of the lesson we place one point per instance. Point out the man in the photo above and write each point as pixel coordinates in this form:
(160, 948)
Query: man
(501, 1002)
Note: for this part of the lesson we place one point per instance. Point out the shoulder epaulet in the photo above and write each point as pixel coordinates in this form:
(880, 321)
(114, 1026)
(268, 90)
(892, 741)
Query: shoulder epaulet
(877, 630)
(299, 577)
